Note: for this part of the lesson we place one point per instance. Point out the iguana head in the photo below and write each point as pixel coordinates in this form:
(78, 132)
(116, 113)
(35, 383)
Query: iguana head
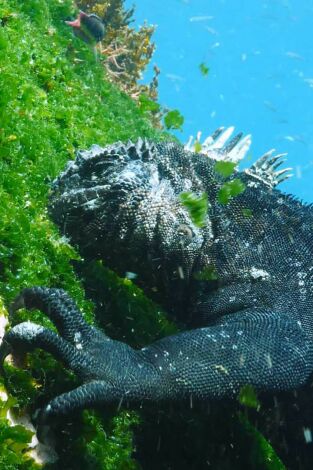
(122, 204)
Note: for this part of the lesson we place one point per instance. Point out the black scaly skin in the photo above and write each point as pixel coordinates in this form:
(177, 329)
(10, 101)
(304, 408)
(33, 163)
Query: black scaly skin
(251, 324)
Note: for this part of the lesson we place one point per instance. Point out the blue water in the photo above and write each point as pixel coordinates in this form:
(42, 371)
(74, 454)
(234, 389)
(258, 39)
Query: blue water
(260, 56)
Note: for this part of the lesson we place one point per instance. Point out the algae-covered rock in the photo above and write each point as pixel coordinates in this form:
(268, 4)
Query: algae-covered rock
(54, 99)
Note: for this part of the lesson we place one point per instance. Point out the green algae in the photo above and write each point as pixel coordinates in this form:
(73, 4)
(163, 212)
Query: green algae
(53, 100)
(261, 454)
(225, 168)
(229, 190)
(144, 321)
(174, 120)
(197, 206)
(248, 397)
(14, 441)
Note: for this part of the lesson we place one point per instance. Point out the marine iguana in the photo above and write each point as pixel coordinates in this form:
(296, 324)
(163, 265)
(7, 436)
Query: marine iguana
(248, 322)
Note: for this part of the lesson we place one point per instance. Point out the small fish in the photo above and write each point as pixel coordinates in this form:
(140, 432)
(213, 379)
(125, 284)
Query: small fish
(89, 28)
(298, 171)
(200, 18)
(211, 31)
(309, 81)
(175, 78)
(270, 106)
(294, 138)
(294, 55)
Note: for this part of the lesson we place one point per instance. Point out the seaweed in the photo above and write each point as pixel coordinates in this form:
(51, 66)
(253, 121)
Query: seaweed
(54, 99)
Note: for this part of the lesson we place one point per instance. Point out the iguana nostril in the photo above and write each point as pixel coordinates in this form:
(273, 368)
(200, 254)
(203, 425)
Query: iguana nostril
(185, 230)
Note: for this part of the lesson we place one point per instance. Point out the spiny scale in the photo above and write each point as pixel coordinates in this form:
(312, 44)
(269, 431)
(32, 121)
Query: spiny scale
(265, 169)
(219, 147)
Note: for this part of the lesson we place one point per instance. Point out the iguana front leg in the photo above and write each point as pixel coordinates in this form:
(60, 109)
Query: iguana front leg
(256, 347)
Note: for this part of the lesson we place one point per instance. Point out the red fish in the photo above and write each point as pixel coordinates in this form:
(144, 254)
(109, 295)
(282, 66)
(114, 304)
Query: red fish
(89, 28)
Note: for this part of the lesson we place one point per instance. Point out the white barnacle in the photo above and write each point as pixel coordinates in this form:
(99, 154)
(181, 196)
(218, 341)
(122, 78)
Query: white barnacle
(77, 340)
(220, 368)
(77, 337)
(257, 273)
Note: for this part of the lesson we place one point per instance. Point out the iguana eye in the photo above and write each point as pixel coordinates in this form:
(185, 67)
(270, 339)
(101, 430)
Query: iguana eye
(185, 230)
